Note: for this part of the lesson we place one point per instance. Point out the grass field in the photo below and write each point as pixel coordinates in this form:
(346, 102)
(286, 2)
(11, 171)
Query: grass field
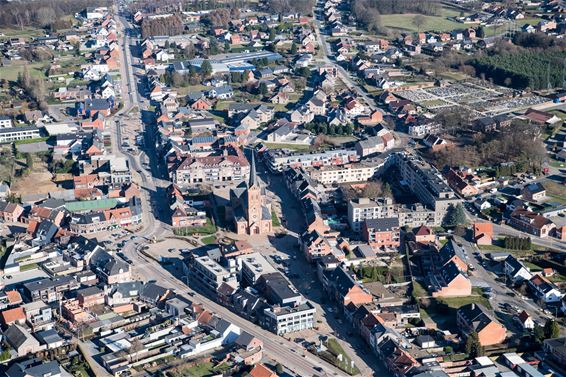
(432, 23)
(26, 32)
(209, 240)
(11, 72)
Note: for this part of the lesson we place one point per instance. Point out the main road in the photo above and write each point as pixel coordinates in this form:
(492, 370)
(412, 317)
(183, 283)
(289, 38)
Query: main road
(289, 354)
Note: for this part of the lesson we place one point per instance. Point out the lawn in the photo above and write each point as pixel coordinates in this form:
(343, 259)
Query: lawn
(204, 370)
(10, 72)
(209, 228)
(336, 349)
(27, 267)
(432, 23)
(555, 191)
(27, 32)
(457, 302)
(294, 147)
(209, 240)
(275, 219)
(419, 290)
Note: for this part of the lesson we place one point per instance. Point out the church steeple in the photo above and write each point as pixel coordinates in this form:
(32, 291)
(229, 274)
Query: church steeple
(253, 182)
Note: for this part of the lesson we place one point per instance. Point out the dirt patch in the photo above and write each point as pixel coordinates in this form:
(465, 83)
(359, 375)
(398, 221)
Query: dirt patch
(37, 181)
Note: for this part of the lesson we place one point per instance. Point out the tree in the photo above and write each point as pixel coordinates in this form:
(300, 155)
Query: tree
(538, 334)
(418, 21)
(294, 48)
(480, 32)
(455, 216)
(206, 68)
(272, 34)
(279, 368)
(551, 329)
(473, 346)
(263, 89)
(304, 71)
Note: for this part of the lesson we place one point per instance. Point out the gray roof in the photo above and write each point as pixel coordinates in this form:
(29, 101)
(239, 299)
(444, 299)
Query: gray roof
(34, 368)
(383, 225)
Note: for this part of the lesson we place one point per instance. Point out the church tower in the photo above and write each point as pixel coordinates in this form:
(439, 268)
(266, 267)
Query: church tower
(254, 200)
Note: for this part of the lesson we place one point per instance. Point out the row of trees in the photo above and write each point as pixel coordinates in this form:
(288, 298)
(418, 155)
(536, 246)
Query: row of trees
(222, 16)
(34, 86)
(526, 69)
(288, 6)
(538, 41)
(322, 128)
(172, 25)
(42, 13)
(518, 243)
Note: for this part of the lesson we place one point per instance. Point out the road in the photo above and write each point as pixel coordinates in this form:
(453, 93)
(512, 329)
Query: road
(289, 354)
(345, 76)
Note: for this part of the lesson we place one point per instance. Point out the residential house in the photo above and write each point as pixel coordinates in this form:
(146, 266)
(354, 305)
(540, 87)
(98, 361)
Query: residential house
(515, 270)
(477, 318)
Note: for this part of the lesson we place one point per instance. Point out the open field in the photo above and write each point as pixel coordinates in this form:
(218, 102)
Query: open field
(432, 23)
(11, 72)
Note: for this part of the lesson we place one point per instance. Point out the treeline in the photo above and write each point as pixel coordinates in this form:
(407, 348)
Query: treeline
(538, 41)
(526, 69)
(221, 17)
(517, 243)
(35, 87)
(322, 128)
(43, 13)
(291, 6)
(162, 26)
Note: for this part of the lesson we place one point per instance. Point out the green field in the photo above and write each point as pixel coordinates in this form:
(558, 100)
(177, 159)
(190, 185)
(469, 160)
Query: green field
(432, 23)
(26, 32)
(11, 72)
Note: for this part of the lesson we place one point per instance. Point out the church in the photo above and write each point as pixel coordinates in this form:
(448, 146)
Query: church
(250, 210)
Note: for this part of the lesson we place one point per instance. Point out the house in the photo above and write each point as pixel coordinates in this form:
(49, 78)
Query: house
(260, 370)
(345, 288)
(34, 368)
(21, 340)
(10, 212)
(526, 320)
(545, 290)
(13, 316)
(221, 92)
(476, 318)
(315, 245)
(449, 281)
(201, 104)
(533, 192)
(483, 233)
(516, 271)
(424, 235)
(531, 222)
(5, 121)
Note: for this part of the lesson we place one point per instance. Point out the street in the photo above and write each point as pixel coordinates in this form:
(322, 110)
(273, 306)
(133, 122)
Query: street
(285, 352)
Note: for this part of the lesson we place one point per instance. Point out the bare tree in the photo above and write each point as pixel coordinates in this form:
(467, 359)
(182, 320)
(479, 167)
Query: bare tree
(418, 21)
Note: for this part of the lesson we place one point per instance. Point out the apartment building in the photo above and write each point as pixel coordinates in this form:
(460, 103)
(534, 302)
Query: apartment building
(209, 275)
(285, 319)
(50, 289)
(280, 159)
(227, 167)
(253, 267)
(11, 134)
(360, 172)
(362, 209)
(426, 183)
(382, 233)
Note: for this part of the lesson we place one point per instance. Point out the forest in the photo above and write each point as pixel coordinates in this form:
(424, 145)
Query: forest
(162, 26)
(518, 143)
(525, 69)
(42, 13)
